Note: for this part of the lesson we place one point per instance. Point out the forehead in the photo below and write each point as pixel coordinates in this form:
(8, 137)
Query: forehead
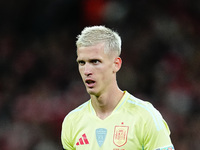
(91, 51)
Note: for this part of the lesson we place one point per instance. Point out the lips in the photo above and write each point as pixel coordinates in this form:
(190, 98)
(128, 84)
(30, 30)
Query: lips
(89, 83)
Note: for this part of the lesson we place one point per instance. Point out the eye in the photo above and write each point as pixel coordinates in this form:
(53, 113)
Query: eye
(95, 61)
(81, 63)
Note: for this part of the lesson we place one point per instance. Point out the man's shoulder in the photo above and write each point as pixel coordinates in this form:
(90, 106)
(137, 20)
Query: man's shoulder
(141, 106)
(146, 111)
(78, 110)
(136, 102)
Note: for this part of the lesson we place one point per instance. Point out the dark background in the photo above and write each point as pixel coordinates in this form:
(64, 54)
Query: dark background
(40, 83)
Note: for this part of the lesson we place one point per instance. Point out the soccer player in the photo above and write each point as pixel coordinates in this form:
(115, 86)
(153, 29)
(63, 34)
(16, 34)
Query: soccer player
(112, 119)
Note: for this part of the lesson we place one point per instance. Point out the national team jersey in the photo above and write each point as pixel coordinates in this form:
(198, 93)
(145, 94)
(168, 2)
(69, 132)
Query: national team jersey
(133, 125)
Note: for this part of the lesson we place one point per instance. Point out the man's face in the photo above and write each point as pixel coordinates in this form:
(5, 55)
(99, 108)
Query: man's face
(96, 68)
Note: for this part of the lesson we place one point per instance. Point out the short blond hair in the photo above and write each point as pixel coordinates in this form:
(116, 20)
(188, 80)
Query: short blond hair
(93, 35)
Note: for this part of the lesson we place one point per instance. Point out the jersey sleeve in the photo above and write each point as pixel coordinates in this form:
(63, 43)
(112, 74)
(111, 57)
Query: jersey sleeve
(157, 133)
(66, 135)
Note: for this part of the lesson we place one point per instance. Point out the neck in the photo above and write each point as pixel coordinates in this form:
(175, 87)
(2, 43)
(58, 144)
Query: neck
(106, 102)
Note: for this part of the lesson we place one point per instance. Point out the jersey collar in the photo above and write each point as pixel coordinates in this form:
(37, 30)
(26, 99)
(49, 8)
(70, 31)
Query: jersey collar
(119, 105)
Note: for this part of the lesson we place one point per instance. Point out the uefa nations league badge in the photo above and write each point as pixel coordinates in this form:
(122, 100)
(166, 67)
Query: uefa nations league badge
(101, 135)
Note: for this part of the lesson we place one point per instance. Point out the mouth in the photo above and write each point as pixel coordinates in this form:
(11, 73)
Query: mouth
(90, 83)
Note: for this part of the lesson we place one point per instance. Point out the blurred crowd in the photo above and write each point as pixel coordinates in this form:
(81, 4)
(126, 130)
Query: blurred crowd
(40, 83)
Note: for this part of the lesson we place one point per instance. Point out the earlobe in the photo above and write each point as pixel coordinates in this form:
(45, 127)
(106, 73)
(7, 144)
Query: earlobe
(118, 64)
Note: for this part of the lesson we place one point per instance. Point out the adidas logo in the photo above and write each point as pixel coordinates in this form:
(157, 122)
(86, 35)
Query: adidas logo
(83, 140)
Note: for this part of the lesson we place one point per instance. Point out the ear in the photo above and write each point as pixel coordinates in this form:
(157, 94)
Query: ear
(117, 64)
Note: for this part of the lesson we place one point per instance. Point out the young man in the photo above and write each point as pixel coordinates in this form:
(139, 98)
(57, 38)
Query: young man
(112, 119)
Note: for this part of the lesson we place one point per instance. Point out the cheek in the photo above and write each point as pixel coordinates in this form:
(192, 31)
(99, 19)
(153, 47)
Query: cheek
(106, 74)
(81, 72)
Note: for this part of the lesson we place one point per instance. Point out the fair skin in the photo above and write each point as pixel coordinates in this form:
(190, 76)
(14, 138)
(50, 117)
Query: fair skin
(98, 71)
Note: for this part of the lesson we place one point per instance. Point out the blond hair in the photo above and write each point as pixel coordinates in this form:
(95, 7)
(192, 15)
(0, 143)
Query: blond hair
(91, 36)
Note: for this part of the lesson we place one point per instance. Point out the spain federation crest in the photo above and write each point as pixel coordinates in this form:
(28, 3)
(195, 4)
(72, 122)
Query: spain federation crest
(120, 135)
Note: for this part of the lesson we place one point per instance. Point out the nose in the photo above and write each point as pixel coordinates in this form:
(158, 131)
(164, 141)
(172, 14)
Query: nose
(87, 69)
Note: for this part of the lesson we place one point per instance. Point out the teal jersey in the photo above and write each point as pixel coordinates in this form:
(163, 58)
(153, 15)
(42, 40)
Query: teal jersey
(133, 125)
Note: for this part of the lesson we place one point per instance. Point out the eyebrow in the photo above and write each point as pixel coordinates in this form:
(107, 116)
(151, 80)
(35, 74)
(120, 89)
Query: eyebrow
(79, 60)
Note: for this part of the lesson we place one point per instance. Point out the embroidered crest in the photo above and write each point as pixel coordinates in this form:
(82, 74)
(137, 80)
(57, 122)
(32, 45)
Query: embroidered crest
(100, 136)
(120, 135)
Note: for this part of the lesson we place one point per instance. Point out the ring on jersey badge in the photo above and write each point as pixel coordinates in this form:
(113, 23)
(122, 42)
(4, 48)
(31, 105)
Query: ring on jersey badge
(120, 135)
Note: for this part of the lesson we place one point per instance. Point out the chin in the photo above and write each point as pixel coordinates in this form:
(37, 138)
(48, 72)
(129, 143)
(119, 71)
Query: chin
(92, 92)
